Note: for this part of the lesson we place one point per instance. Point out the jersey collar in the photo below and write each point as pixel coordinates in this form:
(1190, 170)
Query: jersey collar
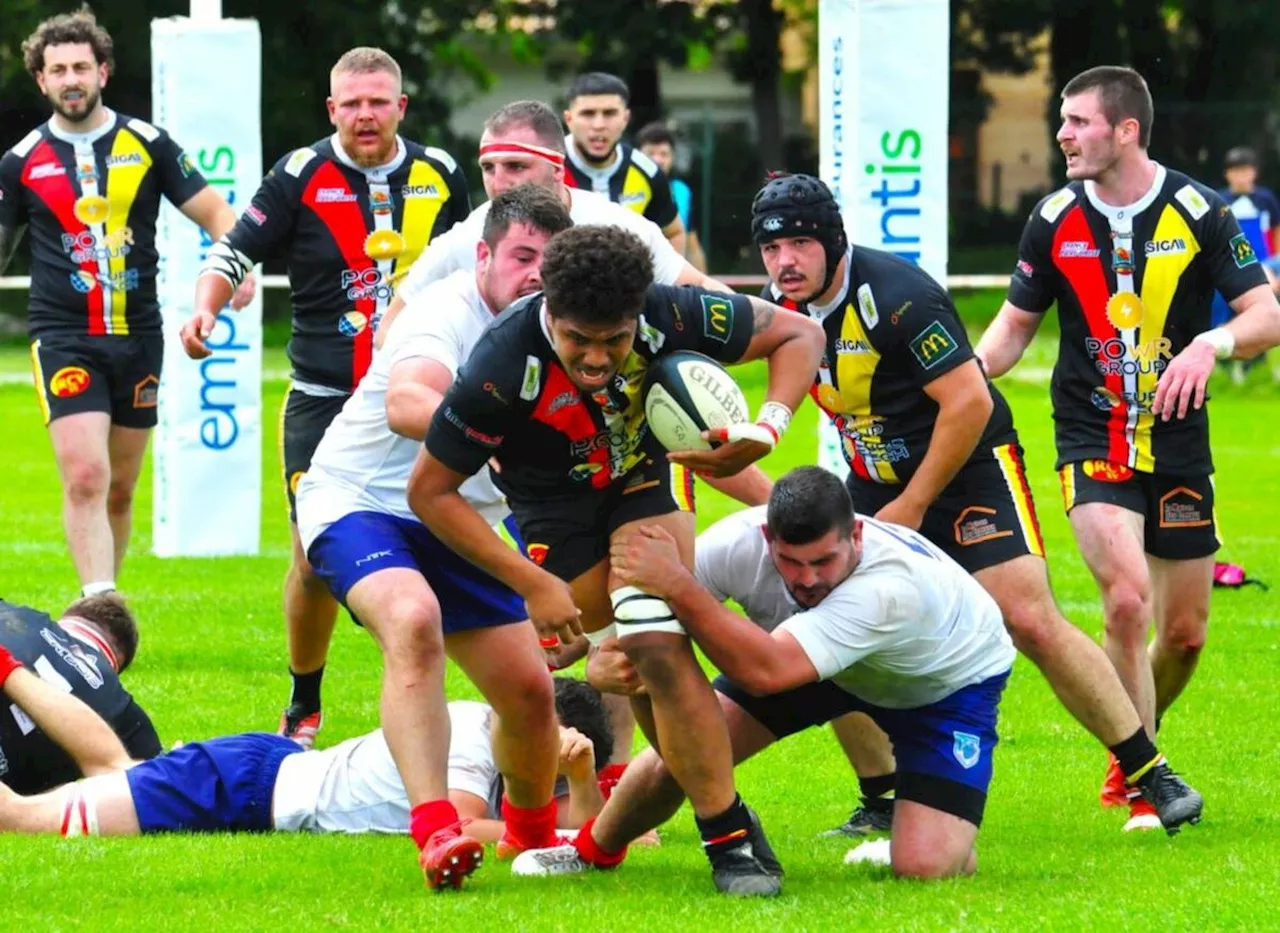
(599, 176)
(90, 137)
(1125, 211)
(821, 312)
(377, 173)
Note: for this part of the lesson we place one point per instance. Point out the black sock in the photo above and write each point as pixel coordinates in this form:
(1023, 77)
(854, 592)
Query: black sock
(878, 790)
(726, 831)
(1135, 753)
(306, 692)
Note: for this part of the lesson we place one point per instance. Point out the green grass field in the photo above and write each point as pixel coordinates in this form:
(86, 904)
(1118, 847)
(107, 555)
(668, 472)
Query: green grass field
(212, 661)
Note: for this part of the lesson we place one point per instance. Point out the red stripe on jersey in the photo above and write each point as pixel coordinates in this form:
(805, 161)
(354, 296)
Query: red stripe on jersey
(573, 420)
(349, 229)
(1087, 278)
(569, 180)
(59, 195)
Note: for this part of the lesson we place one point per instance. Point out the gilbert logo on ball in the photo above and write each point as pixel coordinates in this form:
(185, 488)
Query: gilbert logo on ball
(686, 393)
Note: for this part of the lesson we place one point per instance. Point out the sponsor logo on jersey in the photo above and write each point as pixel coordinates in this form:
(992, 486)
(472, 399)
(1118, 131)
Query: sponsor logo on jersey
(75, 658)
(1115, 357)
(1122, 261)
(371, 557)
(362, 284)
(632, 197)
(651, 336)
(1165, 247)
(333, 195)
(419, 191)
(1103, 398)
(717, 318)
(299, 159)
(485, 440)
(127, 158)
(87, 247)
(1076, 249)
(1025, 268)
(977, 524)
(1104, 471)
(932, 345)
(383, 245)
(86, 172)
(1183, 508)
(1056, 204)
(47, 170)
(492, 389)
(91, 209)
(185, 165)
(967, 749)
(537, 552)
(532, 380)
(255, 214)
(83, 282)
(146, 392)
(69, 381)
(380, 202)
(1193, 201)
(563, 400)
(1125, 310)
(1242, 251)
(867, 306)
(844, 346)
(897, 315)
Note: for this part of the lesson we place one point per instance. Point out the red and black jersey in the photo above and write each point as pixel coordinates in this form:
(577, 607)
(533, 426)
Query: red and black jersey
(633, 180)
(90, 202)
(1133, 287)
(346, 233)
(31, 762)
(513, 401)
(891, 331)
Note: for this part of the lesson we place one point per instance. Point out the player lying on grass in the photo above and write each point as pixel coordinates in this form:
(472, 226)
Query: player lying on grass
(845, 614)
(255, 782)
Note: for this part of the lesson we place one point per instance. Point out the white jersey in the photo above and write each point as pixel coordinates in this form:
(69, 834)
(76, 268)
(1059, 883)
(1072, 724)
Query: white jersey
(456, 249)
(355, 787)
(361, 464)
(907, 628)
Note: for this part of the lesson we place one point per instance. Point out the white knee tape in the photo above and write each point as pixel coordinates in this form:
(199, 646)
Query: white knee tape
(637, 612)
(595, 638)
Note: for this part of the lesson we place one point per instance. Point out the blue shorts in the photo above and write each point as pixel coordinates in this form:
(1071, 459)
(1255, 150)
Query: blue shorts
(223, 785)
(943, 750)
(365, 542)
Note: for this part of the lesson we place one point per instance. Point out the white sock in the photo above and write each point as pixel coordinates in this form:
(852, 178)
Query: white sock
(95, 589)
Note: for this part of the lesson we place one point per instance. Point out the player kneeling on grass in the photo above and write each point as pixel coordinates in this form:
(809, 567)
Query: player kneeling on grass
(846, 615)
(258, 782)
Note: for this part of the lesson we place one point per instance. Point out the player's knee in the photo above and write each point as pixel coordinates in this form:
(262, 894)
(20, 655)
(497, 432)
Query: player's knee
(1185, 634)
(1034, 626)
(1128, 612)
(526, 703)
(120, 497)
(928, 862)
(86, 480)
(411, 636)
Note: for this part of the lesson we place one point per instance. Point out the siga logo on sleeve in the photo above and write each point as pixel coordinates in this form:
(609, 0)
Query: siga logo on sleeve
(932, 345)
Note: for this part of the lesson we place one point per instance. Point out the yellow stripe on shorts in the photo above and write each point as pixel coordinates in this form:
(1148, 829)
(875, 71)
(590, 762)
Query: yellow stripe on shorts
(38, 371)
(1021, 495)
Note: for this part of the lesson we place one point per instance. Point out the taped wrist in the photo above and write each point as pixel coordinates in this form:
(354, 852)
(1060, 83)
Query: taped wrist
(227, 261)
(637, 612)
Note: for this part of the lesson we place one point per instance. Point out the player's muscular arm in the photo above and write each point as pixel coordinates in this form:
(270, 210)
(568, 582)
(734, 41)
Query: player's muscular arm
(1006, 339)
(964, 407)
(675, 233)
(69, 723)
(208, 209)
(414, 392)
(9, 239)
(793, 345)
(1256, 325)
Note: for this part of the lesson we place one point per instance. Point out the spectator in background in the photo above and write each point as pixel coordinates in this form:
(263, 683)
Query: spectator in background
(1258, 211)
(657, 142)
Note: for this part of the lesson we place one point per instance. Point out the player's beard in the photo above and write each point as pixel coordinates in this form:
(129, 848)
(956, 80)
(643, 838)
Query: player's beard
(603, 160)
(90, 103)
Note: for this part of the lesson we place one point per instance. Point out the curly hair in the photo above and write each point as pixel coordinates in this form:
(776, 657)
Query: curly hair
(580, 706)
(80, 27)
(109, 613)
(525, 204)
(596, 275)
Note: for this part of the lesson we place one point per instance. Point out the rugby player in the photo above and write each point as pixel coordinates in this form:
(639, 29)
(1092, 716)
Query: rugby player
(348, 214)
(88, 183)
(597, 115)
(415, 596)
(1131, 252)
(845, 614)
(82, 654)
(552, 393)
(931, 445)
(258, 782)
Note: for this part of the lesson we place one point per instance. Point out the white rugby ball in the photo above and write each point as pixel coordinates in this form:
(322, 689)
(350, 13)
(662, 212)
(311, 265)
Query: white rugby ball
(686, 393)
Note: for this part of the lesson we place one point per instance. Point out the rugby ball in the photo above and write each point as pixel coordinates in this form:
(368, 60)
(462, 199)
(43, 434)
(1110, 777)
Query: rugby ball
(686, 393)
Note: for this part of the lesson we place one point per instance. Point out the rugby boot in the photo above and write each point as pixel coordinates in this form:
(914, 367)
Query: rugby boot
(1176, 801)
(301, 725)
(1115, 792)
(872, 817)
(738, 872)
(448, 857)
(1141, 815)
(760, 842)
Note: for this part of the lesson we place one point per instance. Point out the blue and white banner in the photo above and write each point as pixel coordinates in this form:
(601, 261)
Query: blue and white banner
(883, 91)
(206, 92)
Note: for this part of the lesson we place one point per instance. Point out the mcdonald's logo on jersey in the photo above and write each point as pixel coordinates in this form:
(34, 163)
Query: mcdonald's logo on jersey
(932, 345)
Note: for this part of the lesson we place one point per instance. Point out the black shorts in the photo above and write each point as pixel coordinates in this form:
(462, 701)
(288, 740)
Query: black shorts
(119, 375)
(570, 536)
(943, 751)
(984, 517)
(303, 421)
(1181, 523)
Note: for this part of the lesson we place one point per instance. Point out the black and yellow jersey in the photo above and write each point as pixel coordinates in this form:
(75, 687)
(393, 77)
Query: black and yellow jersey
(891, 331)
(1133, 287)
(90, 202)
(632, 180)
